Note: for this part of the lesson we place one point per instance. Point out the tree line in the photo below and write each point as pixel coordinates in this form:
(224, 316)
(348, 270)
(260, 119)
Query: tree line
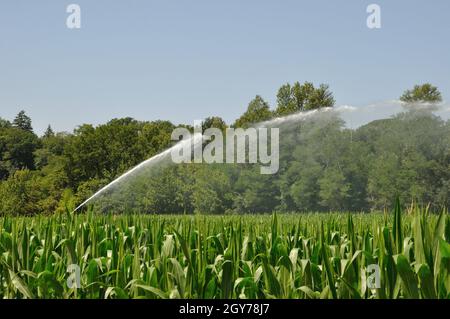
(323, 166)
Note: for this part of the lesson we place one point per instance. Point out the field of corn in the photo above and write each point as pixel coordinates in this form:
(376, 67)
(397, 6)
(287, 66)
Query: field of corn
(258, 256)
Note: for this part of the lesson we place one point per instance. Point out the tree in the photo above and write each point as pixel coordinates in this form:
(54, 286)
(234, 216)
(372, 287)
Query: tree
(301, 94)
(17, 148)
(302, 97)
(51, 149)
(258, 110)
(255, 193)
(108, 150)
(164, 193)
(49, 132)
(4, 123)
(304, 191)
(23, 122)
(285, 100)
(320, 97)
(214, 122)
(211, 190)
(425, 93)
(334, 189)
(20, 194)
(154, 137)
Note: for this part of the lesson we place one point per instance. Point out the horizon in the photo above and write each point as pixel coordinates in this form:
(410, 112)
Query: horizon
(364, 115)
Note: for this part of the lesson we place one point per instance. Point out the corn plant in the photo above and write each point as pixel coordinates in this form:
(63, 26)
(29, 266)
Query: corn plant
(305, 256)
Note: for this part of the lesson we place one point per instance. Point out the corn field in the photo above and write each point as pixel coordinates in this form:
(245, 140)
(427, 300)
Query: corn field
(258, 256)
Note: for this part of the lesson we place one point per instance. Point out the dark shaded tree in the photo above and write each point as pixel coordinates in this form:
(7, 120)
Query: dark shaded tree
(49, 132)
(23, 122)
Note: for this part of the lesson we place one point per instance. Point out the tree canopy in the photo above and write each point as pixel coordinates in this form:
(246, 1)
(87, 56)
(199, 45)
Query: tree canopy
(422, 94)
(23, 122)
(258, 110)
(324, 165)
(302, 97)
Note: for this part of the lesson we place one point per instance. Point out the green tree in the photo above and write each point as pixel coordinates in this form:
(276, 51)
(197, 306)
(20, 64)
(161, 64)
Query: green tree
(301, 94)
(108, 150)
(258, 110)
(23, 122)
(304, 189)
(20, 194)
(255, 193)
(17, 148)
(285, 101)
(87, 188)
(154, 137)
(321, 97)
(334, 190)
(422, 94)
(214, 122)
(302, 97)
(164, 192)
(212, 190)
(51, 149)
(4, 123)
(49, 132)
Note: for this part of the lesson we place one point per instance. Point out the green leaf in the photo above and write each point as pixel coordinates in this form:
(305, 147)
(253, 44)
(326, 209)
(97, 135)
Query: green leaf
(397, 233)
(115, 291)
(20, 285)
(444, 249)
(309, 292)
(408, 277)
(426, 282)
(157, 292)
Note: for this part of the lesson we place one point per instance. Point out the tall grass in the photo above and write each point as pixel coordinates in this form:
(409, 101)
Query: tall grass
(279, 256)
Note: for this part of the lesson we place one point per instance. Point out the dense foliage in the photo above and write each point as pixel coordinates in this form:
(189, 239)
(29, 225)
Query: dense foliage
(323, 166)
(258, 256)
(422, 93)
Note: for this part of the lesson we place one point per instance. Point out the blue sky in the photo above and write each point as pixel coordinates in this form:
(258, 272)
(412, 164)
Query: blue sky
(186, 60)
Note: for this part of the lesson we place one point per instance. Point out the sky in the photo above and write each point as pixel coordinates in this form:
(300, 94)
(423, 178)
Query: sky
(187, 60)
